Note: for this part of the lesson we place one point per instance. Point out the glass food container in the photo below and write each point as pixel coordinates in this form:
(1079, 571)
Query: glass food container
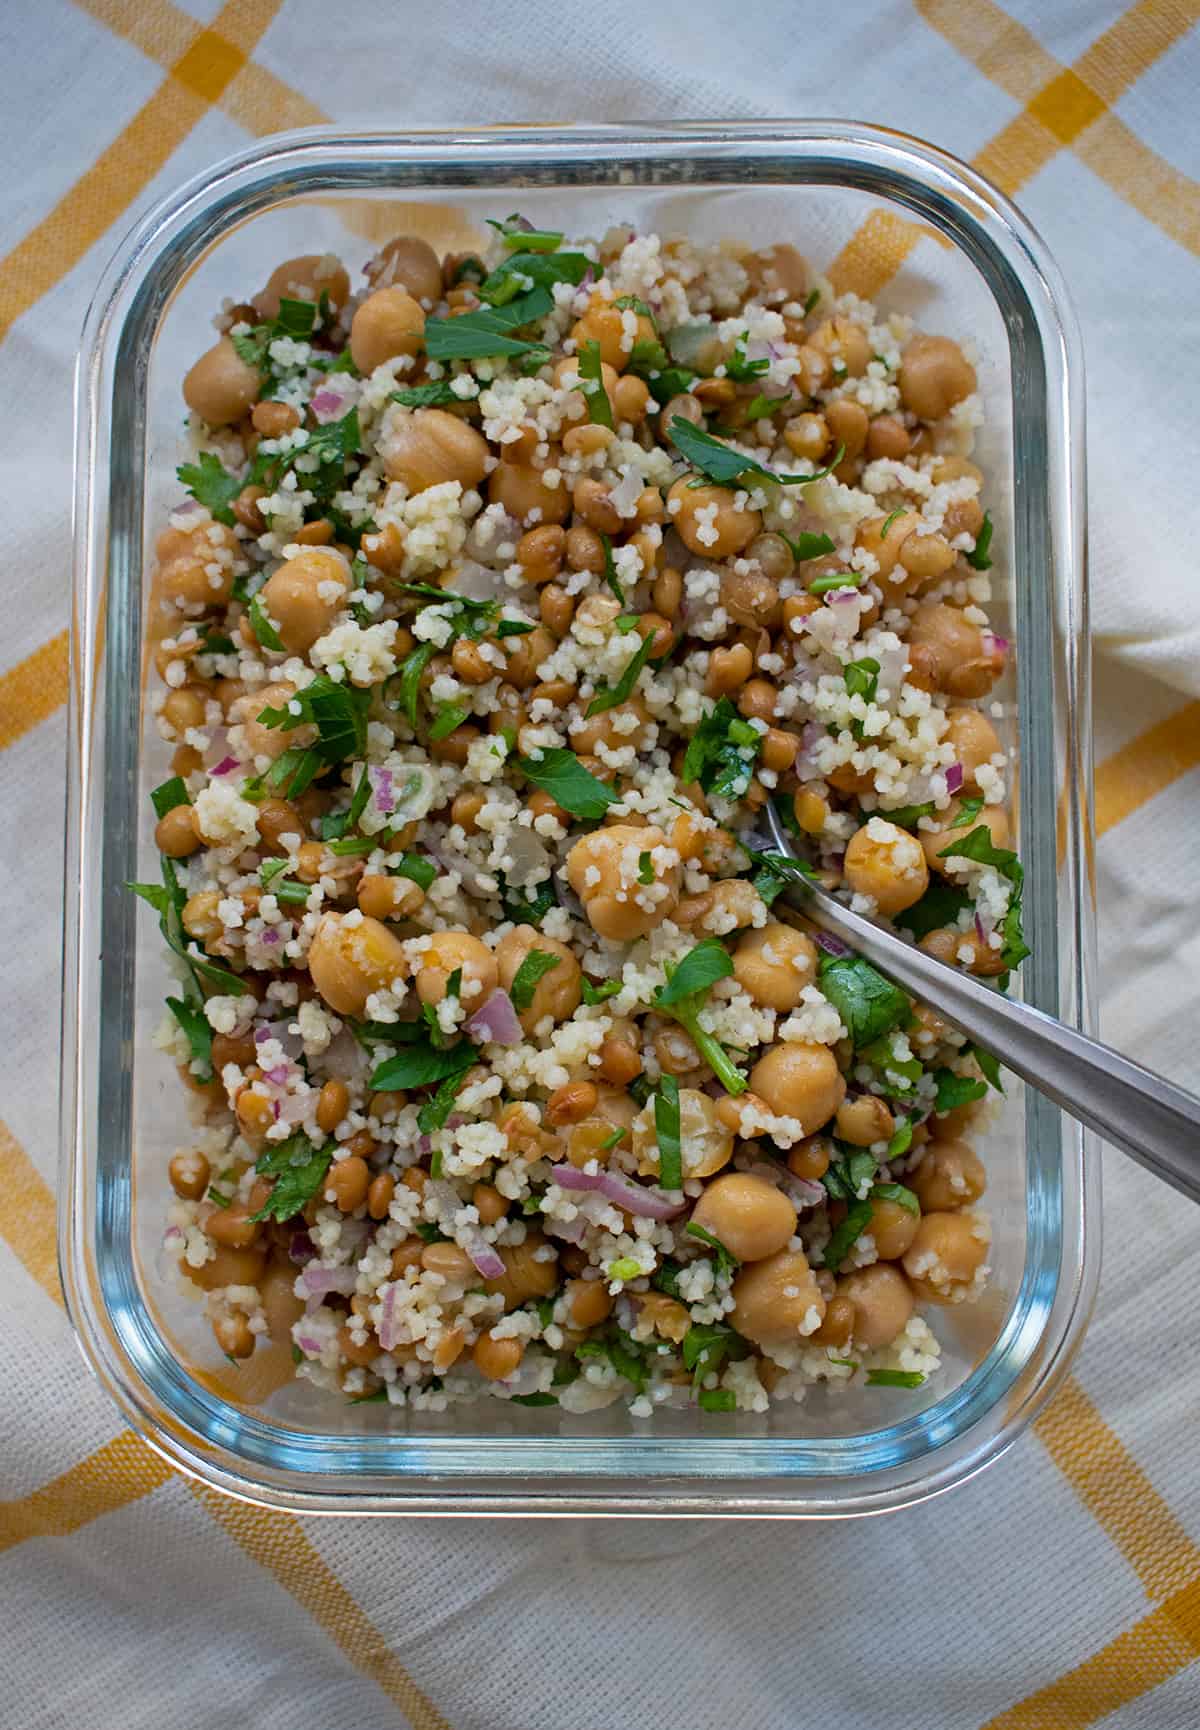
(977, 271)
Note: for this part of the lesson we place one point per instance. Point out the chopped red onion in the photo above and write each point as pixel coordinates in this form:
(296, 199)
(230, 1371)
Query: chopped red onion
(495, 1022)
(489, 1263)
(622, 1191)
(268, 936)
(979, 930)
(329, 404)
(391, 1329)
(218, 745)
(279, 1075)
(224, 766)
(829, 943)
(954, 778)
(281, 1030)
(308, 1344)
(382, 787)
(569, 1230)
(320, 1281)
(301, 1248)
(994, 644)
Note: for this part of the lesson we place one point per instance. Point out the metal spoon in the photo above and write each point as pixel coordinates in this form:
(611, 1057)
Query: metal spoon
(1148, 1117)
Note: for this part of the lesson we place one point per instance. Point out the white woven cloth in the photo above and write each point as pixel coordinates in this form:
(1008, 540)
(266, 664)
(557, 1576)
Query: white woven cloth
(1061, 1588)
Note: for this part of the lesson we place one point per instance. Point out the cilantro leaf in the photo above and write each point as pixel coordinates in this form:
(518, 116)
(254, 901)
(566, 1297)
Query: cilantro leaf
(535, 966)
(608, 698)
(722, 464)
(560, 773)
(211, 485)
(868, 1004)
(666, 1131)
(299, 1171)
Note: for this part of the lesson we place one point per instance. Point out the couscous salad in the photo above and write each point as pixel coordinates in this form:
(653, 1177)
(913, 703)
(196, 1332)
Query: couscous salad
(504, 594)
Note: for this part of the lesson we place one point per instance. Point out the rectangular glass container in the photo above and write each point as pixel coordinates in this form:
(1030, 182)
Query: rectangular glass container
(981, 274)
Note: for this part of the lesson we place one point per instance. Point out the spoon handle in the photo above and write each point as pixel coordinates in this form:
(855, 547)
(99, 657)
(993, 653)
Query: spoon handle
(1151, 1119)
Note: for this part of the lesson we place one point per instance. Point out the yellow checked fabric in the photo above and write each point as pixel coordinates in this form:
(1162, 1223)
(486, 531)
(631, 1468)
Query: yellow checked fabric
(1062, 1588)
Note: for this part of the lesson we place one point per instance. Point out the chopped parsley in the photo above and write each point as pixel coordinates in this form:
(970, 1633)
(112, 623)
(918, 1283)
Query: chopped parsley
(844, 1236)
(335, 824)
(211, 485)
(905, 816)
(168, 795)
(487, 332)
(726, 1262)
(609, 697)
(420, 1064)
(721, 464)
(717, 1400)
(168, 900)
(298, 1169)
(954, 1090)
(683, 996)
(449, 718)
(592, 385)
(195, 1024)
(533, 969)
(979, 847)
(722, 752)
(613, 581)
(666, 1131)
(940, 905)
(809, 546)
(968, 810)
(559, 772)
(707, 1346)
(739, 368)
(338, 711)
(898, 1193)
(263, 629)
(894, 1378)
(980, 557)
(869, 1004)
(593, 994)
(415, 867)
(439, 394)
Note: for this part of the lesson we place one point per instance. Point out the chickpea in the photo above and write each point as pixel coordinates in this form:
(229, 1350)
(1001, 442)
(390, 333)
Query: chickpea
(888, 864)
(888, 436)
(884, 537)
(558, 991)
(602, 323)
(630, 400)
(464, 809)
(272, 420)
(777, 274)
(520, 490)
(774, 964)
(570, 1103)
(685, 407)
(200, 918)
(556, 608)
(946, 1253)
(963, 517)
(610, 727)
(333, 1102)
(281, 1306)
(758, 699)
(777, 1301)
(883, 1303)
(614, 907)
(387, 323)
(706, 1143)
(540, 552)
(591, 1139)
(837, 1329)
(450, 1261)
(950, 1176)
(675, 1050)
(304, 278)
(620, 1059)
(799, 1080)
(221, 387)
(410, 262)
(406, 1256)
(361, 1356)
(452, 951)
(733, 528)
(255, 1116)
(260, 740)
(383, 897)
(808, 436)
(233, 1335)
(227, 1267)
(430, 446)
(667, 593)
(893, 1227)
(728, 670)
(848, 427)
(175, 834)
(526, 654)
(488, 1203)
(750, 597)
(540, 802)
(963, 662)
(585, 549)
(232, 1227)
(530, 1271)
(347, 1182)
(183, 709)
(585, 441)
(975, 743)
(229, 1049)
(304, 596)
(845, 342)
(497, 1359)
(349, 962)
(934, 375)
(810, 1158)
(750, 1216)
(934, 841)
(796, 609)
(588, 1302)
(189, 1173)
(277, 818)
(863, 1119)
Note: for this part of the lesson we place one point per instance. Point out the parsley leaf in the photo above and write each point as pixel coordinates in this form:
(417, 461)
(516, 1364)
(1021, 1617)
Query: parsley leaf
(417, 869)
(420, 1063)
(168, 795)
(527, 909)
(868, 1004)
(940, 905)
(722, 752)
(954, 1090)
(433, 1114)
(980, 557)
(968, 810)
(905, 816)
(894, 1378)
(414, 664)
(898, 1193)
(263, 629)
(534, 1399)
(721, 464)
(610, 575)
(560, 773)
(592, 385)
(699, 968)
(448, 719)
(979, 847)
(707, 1345)
(298, 1169)
(535, 966)
(338, 711)
(742, 370)
(862, 678)
(666, 1131)
(809, 546)
(851, 1178)
(726, 1262)
(989, 1065)
(199, 1034)
(435, 395)
(609, 697)
(211, 484)
(717, 1400)
(844, 1236)
(645, 868)
(487, 332)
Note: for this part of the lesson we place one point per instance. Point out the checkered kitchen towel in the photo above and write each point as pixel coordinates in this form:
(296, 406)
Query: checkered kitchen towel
(1060, 1589)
